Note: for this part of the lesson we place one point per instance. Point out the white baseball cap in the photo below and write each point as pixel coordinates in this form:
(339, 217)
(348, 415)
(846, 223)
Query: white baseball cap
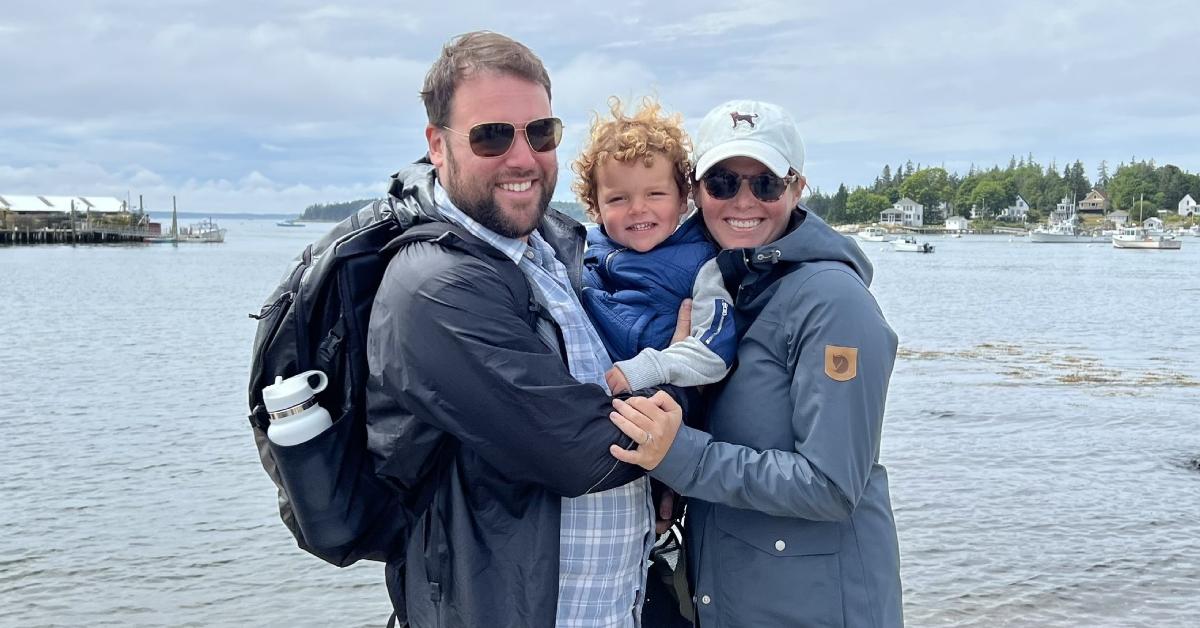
(749, 128)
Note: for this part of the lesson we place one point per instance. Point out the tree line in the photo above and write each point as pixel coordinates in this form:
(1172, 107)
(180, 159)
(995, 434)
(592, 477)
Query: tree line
(993, 189)
(988, 190)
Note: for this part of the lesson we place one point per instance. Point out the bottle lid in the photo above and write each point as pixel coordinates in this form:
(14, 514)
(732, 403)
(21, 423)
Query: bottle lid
(293, 391)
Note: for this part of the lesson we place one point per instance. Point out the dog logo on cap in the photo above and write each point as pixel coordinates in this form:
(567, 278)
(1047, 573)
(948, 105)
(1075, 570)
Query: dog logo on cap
(748, 118)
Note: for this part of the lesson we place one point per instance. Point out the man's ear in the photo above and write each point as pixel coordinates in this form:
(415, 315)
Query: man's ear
(437, 145)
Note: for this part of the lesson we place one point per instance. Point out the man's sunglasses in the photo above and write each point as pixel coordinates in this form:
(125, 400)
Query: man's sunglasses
(493, 139)
(723, 184)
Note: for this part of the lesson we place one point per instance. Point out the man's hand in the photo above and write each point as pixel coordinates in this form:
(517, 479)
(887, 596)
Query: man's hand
(683, 325)
(616, 381)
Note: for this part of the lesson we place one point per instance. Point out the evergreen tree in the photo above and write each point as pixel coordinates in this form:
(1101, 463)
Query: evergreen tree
(838, 206)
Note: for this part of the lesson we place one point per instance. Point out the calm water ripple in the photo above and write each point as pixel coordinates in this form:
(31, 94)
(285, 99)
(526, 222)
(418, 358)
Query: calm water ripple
(1041, 438)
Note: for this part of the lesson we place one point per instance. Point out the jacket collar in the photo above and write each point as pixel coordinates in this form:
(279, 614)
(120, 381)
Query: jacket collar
(411, 198)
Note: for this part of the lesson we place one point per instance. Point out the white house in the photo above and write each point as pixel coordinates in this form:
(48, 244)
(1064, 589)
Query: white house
(1017, 212)
(905, 212)
(1188, 206)
(1153, 224)
(957, 224)
(1119, 218)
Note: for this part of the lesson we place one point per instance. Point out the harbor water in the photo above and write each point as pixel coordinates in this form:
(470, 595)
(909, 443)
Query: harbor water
(1042, 438)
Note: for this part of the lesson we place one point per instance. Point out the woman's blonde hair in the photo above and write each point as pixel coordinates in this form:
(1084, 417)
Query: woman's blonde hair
(626, 138)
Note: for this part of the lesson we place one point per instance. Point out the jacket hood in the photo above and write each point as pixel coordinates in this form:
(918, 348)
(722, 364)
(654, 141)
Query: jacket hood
(410, 194)
(810, 239)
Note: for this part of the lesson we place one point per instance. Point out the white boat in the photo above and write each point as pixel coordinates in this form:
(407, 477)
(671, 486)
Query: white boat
(909, 244)
(1065, 232)
(874, 234)
(290, 222)
(1139, 238)
(204, 231)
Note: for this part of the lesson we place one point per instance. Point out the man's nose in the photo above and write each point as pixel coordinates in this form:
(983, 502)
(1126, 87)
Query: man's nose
(520, 155)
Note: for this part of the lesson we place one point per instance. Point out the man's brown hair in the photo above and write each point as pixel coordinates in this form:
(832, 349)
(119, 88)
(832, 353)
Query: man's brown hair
(472, 53)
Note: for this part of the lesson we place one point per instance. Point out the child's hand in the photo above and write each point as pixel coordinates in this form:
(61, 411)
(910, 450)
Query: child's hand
(616, 381)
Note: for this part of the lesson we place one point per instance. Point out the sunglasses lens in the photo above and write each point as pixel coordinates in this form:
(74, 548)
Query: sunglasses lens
(491, 139)
(544, 134)
(767, 187)
(722, 184)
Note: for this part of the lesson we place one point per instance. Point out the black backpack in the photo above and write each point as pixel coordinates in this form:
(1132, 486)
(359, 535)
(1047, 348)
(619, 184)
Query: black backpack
(317, 318)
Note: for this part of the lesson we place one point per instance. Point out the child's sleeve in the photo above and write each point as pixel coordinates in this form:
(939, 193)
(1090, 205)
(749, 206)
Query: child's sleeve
(703, 357)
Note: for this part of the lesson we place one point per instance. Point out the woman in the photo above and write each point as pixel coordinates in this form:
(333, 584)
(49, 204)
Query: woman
(789, 520)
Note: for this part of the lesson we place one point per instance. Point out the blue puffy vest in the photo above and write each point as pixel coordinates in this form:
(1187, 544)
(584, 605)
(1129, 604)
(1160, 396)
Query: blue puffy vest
(633, 298)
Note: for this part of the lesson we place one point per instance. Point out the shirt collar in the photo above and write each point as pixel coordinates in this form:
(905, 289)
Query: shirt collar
(511, 248)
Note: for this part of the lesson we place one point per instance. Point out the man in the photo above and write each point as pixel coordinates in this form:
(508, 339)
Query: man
(488, 489)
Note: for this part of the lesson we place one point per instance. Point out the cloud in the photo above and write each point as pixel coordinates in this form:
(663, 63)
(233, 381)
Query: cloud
(275, 103)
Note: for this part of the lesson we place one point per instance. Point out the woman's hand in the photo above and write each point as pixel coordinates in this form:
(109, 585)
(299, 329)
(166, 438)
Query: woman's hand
(651, 423)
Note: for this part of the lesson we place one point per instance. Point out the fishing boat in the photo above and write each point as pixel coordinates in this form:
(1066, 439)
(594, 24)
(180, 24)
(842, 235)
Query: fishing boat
(909, 244)
(874, 234)
(290, 222)
(1145, 238)
(204, 231)
(1065, 232)
(1140, 238)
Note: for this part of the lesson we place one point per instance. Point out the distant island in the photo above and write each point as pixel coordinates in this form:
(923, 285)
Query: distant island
(336, 212)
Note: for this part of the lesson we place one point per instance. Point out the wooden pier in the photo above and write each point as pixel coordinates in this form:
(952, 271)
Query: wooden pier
(82, 233)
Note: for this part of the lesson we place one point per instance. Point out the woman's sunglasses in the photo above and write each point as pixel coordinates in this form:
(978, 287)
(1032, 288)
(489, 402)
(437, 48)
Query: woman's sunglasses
(723, 184)
(493, 139)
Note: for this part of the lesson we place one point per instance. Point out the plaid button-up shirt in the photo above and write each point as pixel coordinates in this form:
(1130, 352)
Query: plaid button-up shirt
(604, 538)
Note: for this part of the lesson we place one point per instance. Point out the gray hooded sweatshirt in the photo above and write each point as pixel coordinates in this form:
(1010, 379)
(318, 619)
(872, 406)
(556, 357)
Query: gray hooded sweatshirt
(789, 519)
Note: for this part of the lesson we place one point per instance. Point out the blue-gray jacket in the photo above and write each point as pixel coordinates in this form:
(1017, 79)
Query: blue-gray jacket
(789, 518)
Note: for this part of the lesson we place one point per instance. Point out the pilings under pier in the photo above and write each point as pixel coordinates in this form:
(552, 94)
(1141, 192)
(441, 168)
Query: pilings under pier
(72, 236)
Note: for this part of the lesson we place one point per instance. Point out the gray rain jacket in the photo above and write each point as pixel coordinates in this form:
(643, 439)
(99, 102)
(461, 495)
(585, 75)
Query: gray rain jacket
(789, 518)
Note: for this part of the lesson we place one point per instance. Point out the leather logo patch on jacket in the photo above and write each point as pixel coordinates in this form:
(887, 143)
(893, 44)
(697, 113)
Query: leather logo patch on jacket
(841, 363)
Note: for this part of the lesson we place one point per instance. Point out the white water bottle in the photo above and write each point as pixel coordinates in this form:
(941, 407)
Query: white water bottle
(292, 406)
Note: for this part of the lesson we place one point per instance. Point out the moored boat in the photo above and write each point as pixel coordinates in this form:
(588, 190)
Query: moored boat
(1062, 233)
(1139, 238)
(874, 234)
(204, 231)
(909, 244)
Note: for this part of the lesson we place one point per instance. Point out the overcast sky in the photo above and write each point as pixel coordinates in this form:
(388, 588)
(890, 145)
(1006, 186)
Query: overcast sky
(269, 106)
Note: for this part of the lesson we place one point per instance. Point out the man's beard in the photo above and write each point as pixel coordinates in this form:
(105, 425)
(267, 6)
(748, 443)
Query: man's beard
(477, 199)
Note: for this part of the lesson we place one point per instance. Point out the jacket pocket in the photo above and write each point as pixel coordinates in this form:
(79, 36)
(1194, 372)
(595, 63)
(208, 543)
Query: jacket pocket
(777, 571)
(779, 536)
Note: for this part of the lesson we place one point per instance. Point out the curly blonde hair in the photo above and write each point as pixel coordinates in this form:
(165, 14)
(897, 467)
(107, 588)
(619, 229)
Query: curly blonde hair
(626, 138)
